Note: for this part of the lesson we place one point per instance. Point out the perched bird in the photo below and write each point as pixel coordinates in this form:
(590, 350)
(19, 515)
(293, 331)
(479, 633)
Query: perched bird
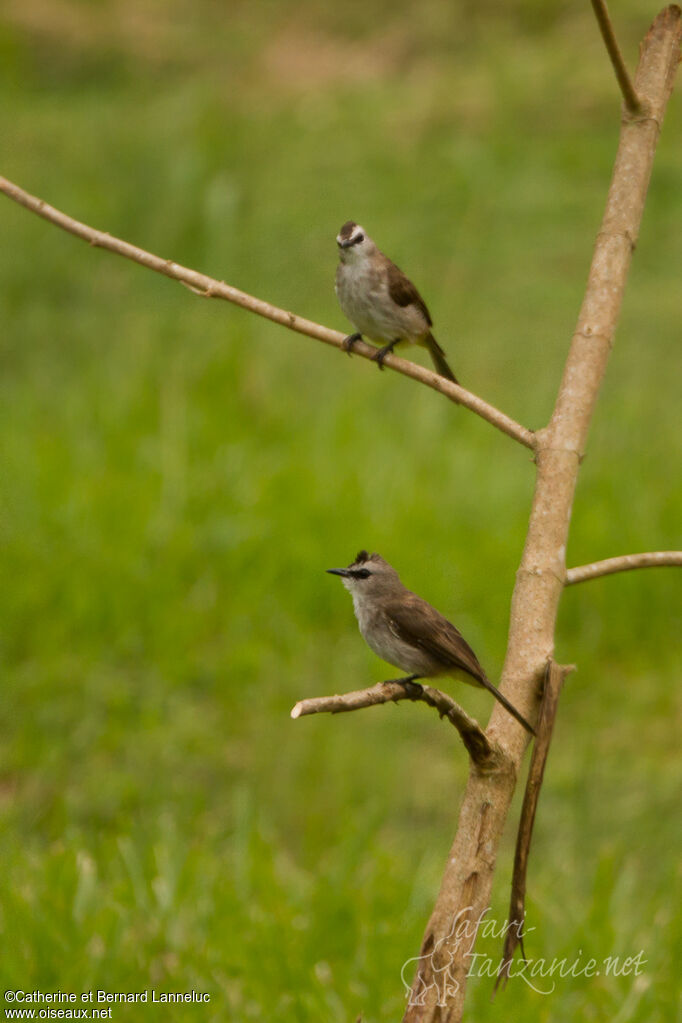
(407, 632)
(380, 300)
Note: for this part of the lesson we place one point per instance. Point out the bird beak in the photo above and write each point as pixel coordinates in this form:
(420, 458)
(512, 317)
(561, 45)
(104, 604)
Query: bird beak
(342, 244)
(339, 571)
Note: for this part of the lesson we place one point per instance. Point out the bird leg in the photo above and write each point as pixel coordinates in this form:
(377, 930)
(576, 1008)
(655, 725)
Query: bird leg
(381, 354)
(349, 341)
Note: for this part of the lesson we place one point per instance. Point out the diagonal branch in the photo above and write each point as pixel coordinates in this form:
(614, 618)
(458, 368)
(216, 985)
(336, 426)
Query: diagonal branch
(209, 287)
(554, 680)
(632, 101)
(485, 754)
(652, 559)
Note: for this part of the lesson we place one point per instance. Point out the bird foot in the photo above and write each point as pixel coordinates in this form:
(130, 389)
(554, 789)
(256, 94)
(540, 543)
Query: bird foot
(406, 680)
(381, 354)
(349, 341)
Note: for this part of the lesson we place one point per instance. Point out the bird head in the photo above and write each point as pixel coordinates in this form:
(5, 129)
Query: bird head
(354, 244)
(368, 576)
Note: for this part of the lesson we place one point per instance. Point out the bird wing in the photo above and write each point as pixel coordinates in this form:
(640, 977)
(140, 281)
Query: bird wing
(415, 622)
(402, 290)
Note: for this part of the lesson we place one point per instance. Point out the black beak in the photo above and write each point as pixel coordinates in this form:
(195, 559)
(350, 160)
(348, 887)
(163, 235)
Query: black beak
(342, 244)
(339, 571)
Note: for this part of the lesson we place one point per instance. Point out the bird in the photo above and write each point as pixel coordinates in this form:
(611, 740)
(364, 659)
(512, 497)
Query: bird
(380, 301)
(409, 633)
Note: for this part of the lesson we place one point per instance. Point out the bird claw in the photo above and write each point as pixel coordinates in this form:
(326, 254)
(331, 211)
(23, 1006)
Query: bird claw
(405, 680)
(348, 342)
(381, 354)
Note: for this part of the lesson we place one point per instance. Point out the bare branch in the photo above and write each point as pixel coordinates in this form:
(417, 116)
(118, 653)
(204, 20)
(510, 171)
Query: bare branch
(208, 287)
(485, 754)
(470, 867)
(554, 680)
(632, 101)
(652, 559)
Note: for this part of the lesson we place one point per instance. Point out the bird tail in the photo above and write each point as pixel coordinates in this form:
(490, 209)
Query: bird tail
(505, 703)
(439, 360)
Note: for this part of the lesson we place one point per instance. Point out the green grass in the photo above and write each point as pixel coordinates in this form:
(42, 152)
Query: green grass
(176, 476)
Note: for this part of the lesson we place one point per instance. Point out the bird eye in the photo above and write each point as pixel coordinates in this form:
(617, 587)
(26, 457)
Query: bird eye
(362, 573)
(358, 238)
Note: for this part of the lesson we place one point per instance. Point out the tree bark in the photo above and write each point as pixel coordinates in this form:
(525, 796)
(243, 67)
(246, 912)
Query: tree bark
(439, 987)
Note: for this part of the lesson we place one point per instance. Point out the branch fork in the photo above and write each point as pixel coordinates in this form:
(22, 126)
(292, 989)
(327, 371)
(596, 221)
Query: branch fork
(633, 103)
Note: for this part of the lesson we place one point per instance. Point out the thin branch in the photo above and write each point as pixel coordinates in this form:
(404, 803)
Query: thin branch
(554, 680)
(209, 287)
(486, 755)
(632, 101)
(652, 559)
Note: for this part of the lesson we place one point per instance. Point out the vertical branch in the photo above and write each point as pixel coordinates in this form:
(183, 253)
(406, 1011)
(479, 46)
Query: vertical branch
(554, 680)
(467, 882)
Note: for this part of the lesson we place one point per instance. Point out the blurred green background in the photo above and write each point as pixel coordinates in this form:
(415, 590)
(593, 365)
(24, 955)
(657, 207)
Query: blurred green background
(177, 474)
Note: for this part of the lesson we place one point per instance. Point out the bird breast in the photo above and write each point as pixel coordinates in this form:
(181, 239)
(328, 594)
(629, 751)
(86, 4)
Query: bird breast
(376, 630)
(363, 295)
